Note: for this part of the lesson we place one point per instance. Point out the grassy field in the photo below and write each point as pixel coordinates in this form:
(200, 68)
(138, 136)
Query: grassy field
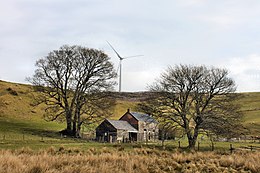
(21, 122)
(30, 144)
(250, 103)
(138, 160)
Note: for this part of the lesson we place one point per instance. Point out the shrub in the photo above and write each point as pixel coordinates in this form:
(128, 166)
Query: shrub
(12, 92)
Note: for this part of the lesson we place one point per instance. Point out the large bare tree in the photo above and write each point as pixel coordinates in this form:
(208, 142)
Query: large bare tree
(195, 98)
(74, 81)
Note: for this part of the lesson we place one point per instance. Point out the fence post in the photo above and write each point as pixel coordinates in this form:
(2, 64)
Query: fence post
(212, 146)
(231, 148)
(179, 144)
(198, 145)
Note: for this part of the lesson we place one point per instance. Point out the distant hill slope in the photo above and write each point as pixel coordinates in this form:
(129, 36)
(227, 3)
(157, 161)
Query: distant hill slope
(15, 101)
(16, 104)
(250, 105)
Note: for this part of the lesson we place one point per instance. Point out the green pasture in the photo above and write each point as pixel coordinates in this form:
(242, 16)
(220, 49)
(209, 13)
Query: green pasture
(22, 124)
(250, 106)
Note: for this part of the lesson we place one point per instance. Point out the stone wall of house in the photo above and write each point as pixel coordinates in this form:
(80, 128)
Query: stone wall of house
(148, 131)
(122, 136)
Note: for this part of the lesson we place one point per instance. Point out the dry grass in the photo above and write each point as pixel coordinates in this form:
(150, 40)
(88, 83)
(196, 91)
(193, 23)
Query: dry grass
(107, 160)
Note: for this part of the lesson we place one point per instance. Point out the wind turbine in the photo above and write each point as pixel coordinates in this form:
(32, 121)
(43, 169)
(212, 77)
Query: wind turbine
(120, 64)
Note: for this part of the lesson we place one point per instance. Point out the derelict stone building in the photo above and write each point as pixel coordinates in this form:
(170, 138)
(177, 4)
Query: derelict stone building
(132, 126)
(115, 130)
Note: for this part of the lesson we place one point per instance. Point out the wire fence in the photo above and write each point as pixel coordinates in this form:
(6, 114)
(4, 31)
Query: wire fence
(249, 144)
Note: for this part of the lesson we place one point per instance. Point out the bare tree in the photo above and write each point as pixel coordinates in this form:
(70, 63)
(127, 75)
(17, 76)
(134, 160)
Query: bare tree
(195, 98)
(73, 81)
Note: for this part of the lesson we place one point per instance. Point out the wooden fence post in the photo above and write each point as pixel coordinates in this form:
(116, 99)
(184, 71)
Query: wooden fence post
(212, 146)
(231, 148)
(179, 142)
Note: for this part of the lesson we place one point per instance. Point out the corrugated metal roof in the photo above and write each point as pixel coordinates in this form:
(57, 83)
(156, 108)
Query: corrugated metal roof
(122, 125)
(143, 117)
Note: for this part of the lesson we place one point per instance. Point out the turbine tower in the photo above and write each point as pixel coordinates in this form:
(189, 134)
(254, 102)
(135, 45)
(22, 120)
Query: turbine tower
(120, 65)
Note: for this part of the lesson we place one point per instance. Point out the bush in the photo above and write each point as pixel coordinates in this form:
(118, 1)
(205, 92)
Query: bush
(12, 92)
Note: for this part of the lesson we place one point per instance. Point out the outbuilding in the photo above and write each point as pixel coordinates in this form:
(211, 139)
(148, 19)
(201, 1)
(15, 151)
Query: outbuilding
(115, 131)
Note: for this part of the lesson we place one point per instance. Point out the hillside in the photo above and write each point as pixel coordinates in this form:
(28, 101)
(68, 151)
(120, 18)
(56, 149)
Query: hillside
(250, 103)
(18, 115)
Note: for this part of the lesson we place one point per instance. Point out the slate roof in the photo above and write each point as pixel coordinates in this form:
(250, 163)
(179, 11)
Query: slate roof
(143, 117)
(122, 125)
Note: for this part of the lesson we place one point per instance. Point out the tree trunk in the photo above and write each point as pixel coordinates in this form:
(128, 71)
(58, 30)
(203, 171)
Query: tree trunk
(74, 129)
(191, 141)
(77, 121)
(193, 138)
(68, 130)
(68, 124)
(78, 125)
(78, 130)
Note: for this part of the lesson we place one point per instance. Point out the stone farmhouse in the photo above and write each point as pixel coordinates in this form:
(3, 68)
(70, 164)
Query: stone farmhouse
(131, 127)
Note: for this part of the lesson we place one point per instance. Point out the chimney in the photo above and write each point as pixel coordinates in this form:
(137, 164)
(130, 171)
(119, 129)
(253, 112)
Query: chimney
(128, 110)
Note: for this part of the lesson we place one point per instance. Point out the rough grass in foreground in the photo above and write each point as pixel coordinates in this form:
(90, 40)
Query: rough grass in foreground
(111, 160)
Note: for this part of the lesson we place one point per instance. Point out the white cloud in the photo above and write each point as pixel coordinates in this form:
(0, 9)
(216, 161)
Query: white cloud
(245, 71)
(140, 80)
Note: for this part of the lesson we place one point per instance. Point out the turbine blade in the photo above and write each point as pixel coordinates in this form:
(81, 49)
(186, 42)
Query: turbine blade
(115, 51)
(132, 56)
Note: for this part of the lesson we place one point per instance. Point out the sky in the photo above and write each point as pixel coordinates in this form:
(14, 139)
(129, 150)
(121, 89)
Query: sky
(223, 33)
